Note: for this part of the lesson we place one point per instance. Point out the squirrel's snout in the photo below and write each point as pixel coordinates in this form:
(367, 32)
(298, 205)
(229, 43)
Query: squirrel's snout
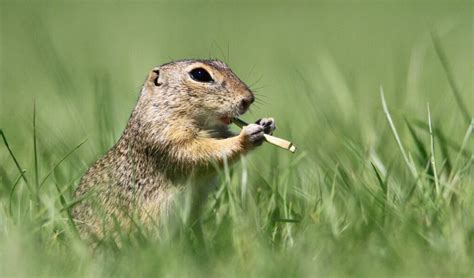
(245, 102)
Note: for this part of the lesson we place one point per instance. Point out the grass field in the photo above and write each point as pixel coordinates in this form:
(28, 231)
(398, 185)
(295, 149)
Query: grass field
(381, 184)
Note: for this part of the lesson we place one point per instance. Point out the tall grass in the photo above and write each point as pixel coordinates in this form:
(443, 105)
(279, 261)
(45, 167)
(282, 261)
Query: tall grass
(381, 184)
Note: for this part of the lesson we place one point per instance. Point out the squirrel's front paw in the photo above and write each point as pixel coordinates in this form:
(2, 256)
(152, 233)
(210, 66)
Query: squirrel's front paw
(253, 135)
(268, 125)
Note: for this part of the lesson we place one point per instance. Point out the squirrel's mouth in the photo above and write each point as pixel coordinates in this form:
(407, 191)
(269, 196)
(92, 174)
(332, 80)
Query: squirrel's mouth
(225, 120)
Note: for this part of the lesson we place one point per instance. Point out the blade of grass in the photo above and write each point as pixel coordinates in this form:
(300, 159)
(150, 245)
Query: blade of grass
(285, 220)
(418, 143)
(76, 201)
(244, 181)
(68, 211)
(463, 145)
(60, 161)
(379, 179)
(449, 74)
(395, 134)
(438, 133)
(432, 148)
(22, 172)
(35, 155)
(12, 191)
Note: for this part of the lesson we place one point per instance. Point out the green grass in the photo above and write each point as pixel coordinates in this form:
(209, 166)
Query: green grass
(377, 97)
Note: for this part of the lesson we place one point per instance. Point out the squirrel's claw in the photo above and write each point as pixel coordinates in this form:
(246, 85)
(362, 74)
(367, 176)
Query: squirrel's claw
(268, 125)
(253, 135)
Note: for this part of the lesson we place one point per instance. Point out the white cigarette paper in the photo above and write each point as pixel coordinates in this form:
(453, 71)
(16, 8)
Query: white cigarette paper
(282, 143)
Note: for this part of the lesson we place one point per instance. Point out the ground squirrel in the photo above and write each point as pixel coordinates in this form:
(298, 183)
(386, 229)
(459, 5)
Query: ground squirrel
(175, 136)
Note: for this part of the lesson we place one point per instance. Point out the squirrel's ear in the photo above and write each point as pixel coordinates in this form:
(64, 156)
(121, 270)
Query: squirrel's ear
(153, 79)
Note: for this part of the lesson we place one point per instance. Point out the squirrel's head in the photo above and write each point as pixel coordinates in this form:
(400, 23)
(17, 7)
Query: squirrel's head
(206, 90)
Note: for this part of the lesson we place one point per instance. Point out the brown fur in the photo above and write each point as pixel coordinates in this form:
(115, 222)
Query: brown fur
(173, 138)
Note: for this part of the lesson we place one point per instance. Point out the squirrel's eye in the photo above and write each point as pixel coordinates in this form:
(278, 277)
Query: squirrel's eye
(201, 75)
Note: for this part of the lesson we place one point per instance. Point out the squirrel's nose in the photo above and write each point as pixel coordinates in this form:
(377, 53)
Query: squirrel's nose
(245, 102)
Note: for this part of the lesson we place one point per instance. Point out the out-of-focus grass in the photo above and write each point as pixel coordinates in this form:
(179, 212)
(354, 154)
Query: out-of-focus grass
(368, 193)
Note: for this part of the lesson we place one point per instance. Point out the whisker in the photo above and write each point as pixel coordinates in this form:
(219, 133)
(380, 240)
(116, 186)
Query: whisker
(257, 88)
(259, 104)
(257, 92)
(256, 81)
(261, 96)
(251, 70)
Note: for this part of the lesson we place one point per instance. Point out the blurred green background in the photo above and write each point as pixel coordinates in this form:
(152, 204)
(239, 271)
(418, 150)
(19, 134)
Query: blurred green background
(317, 68)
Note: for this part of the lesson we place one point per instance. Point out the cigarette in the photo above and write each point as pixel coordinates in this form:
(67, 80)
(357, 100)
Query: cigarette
(282, 143)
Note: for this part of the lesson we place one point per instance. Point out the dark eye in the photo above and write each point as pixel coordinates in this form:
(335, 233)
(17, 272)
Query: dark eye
(201, 75)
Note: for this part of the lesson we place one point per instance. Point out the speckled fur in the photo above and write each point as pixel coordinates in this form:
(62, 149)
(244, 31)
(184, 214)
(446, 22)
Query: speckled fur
(173, 138)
